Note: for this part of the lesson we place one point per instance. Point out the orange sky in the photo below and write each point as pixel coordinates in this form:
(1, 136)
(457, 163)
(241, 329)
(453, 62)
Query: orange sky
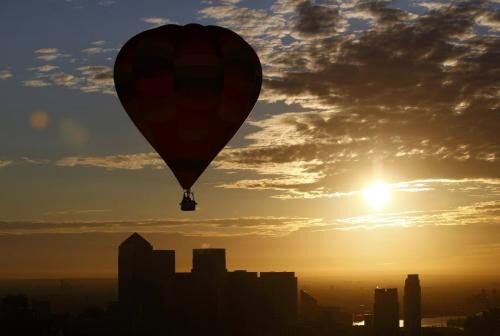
(354, 92)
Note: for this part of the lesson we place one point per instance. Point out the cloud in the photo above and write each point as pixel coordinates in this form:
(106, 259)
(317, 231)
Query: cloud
(332, 152)
(89, 78)
(64, 79)
(317, 20)
(35, 161)
(98, 48)
(5, 163)
(378, 12)
(410, 98)
(49, 54)
(44, 51)
(77, 212)
(217, 227)
(59, 78)
(431, 5)
(262, 30)
(36, 83)
(490, 20)
(44, 68)
(5, 74)
(129, 161)
(476, 214)
(97, 78)
(156, 20)
(479, 213)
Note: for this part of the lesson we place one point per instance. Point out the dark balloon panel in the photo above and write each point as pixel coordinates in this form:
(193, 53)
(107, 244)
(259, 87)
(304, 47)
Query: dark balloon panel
(188, 89)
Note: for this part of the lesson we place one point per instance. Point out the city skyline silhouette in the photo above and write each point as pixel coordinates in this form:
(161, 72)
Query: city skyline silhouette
(375, 136)
(153, 298)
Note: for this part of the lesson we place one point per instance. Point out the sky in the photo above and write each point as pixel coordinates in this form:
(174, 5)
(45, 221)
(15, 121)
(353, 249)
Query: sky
(373, 149)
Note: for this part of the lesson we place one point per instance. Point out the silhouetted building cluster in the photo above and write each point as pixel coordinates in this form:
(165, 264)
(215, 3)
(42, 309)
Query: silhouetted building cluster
(154, 299)
(21, 316)
(319, 320)
(207, 300)
(485, 324)
(386, 312)
(385, 319)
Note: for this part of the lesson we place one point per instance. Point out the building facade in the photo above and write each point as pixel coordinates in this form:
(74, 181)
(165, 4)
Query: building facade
(386, 312)
(412, 306)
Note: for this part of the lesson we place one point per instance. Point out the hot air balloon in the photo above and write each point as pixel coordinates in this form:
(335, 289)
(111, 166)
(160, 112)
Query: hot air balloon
(188, 89)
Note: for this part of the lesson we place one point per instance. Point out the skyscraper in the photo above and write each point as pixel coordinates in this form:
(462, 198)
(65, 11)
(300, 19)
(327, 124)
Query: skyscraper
(386, 312)
(207, 289)
(141, 274)
(279, 299)
(412, 306)
(209, 261)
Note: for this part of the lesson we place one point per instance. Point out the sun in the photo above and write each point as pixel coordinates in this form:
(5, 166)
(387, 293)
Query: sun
(377, 195)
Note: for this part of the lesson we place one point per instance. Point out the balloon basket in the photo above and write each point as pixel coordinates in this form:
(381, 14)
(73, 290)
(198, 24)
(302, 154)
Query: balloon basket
(188, 203)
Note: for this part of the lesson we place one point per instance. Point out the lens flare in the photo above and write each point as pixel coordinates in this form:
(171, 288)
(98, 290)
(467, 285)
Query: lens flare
(73, 133)
(39, 119)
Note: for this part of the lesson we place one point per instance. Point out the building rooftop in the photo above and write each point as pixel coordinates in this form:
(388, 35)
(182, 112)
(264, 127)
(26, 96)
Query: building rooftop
(135, 241)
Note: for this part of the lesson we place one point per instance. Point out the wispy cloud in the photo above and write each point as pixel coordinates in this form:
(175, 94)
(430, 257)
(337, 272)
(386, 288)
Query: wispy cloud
(5, 163)
(476, 213)
(156, 20)
(490, 20)
(97, 50)
(97, 78)
(44, 68)
(89, 78)
(128, 161)
(324, 153)
(345, 81)
(217, 227)
(49, 54)
(35, 161)
(432, 5)
(5, 74)
(97, 47)
(77, 212)
(64, 79)
(36, 83)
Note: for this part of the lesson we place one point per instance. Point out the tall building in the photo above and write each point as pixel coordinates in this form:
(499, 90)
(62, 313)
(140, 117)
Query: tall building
(209, 261)
(412, 306)
(279, 299)
(207, 289)
(142, 272)
(242, 303)
(209, 300)
(386, 312)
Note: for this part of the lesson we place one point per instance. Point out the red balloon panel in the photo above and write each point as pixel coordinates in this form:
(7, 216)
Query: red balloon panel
(188, 89)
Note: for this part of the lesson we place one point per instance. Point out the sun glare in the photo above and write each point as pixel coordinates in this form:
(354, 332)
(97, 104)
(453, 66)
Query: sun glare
(377, 195)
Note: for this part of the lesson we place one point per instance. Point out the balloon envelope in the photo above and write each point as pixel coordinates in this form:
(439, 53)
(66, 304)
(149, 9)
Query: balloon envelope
(188, 89)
